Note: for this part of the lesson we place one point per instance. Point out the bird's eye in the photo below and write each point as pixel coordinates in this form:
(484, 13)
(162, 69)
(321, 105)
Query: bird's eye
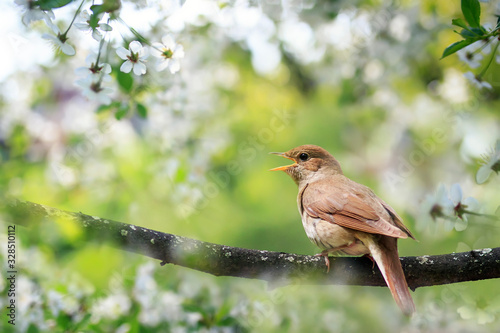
(304, 156)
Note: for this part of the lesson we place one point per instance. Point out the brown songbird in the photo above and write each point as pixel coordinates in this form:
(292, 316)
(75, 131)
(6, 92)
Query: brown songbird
(342, 216)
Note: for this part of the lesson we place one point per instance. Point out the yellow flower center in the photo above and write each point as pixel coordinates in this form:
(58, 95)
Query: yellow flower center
(167, 53)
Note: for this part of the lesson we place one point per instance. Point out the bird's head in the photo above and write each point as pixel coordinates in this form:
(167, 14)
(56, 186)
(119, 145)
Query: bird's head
(311, 163)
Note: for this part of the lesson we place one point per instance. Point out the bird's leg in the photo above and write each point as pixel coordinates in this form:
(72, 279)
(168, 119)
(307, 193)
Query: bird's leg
(369, 256)
(325, 253)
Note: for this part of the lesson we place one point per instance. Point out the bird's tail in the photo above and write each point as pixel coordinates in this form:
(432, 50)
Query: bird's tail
(385, 253)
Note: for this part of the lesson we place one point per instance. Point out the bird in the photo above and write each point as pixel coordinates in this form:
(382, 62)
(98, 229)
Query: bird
(342, 216)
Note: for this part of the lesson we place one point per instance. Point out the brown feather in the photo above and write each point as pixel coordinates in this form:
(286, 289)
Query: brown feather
(385, 253)
(349, 207)
(397, 220)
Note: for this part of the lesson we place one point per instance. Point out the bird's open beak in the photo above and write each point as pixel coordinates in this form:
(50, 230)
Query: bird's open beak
(285, 167)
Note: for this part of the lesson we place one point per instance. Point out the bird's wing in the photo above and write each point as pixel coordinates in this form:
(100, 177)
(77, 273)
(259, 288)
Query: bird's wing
(352, 206)
(395, 217)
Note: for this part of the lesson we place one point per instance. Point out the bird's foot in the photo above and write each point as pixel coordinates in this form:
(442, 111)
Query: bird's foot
(324, 254)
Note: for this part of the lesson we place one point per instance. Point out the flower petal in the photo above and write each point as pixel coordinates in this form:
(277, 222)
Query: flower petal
(81, 26)
(447, 207)
(456, 193)
(162, 65)
(143, 53)
(85, 15)
(174, 66)
(53, 27)
(471, 203)
(96, 34)
(466, 312)
(448, 225)
(168, 41)
(122, 52)
(156, 49)
(461, 224)
(106, 78)
(103, 98)
(485, 84)
(179, 52)
(90, 59)
(105, 27)
(82, 71)
(135, 46)
(139, 68)
(126, 67)
(51, 38)
(483, 174)
(50, 14)
(68, 49)
(106, 68)
(470, 76)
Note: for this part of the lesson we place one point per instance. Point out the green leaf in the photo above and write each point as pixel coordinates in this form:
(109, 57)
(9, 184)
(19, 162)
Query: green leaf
(19, 141)
(467, 34)
(107, 6)
(97, 9)
(472, 12)
(125, 81)
(478, 31)
(82, 322)
(63, 320)
(32, 329)
(50, 4)
(181, 175)
(459, 23)
(474, 33)
(121, 112)
(103, 108)
(141, 110)
(456, 46)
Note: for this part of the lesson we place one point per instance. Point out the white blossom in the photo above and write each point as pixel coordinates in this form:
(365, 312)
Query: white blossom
(486, 48)
(135, 58)
(461, 206)
(60, 42)
(440, 204)
(85, 25)
(450, 206)
(32, 13)
(169, 53)
(492, 163)
(482, 315)
(58, 302)
(470, 55)
(95, 90)
(477, 81)
(97, 71)
(111, 307)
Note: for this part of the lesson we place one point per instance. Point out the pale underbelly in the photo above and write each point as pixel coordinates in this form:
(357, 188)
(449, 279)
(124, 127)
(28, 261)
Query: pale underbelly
(328, 235)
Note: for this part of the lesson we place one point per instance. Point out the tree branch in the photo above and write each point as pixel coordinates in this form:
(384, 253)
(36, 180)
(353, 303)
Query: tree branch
(221, 260)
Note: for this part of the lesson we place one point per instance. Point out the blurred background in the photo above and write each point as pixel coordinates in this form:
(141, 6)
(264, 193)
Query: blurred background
(187, 153)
